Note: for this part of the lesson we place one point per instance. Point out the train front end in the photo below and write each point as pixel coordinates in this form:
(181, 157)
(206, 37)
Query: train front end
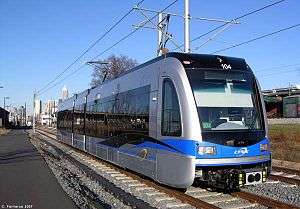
(234, 150)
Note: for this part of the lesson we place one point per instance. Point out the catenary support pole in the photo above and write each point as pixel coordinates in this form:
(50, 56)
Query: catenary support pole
(187, 26)
(160, 18)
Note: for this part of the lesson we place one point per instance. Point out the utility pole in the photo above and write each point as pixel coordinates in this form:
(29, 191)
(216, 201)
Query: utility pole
(25, 115)
(5, 98)
(33, 119)
(187, 26)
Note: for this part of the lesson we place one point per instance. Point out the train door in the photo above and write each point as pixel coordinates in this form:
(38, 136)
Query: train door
(162, 77)
(169, 128)
(153, 110)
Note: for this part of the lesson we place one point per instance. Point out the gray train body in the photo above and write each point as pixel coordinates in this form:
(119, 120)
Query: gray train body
(172, 160)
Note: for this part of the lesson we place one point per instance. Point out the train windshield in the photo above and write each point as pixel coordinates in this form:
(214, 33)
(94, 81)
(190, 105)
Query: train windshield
(226, 100)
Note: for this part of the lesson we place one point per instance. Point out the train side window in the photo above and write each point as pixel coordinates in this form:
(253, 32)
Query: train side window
(171, 121)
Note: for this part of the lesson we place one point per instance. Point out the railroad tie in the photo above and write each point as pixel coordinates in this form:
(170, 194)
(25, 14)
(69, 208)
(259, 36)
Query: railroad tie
(154, 193)
(272, 182)
(144, 188)
(207, 195)
(129, 181)
(136, 185)
(176, 205)
(195, 190)
(160, 199)
(118, 178)
(290, 175)
(111, 171)
(253, 205)
(231, 199)
(118, 175)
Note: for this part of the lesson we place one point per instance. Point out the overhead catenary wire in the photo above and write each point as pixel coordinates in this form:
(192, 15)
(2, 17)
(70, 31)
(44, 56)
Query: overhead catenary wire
(257, 38)
(106, 50)
(135, 30)
(235, 19)
(91, 46)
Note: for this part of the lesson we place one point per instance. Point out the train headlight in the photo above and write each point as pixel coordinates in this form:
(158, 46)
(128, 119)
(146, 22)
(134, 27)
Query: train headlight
(207, 150)
(264, 147)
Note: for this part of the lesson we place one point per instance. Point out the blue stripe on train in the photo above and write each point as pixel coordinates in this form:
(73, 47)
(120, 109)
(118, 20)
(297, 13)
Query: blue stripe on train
(190, 147)
(182, 146)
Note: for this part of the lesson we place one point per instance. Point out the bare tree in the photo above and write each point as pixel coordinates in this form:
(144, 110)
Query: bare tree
(114, 67)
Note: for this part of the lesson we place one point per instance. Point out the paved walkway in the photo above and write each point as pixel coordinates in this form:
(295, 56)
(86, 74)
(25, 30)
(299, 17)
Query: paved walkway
(25, 178)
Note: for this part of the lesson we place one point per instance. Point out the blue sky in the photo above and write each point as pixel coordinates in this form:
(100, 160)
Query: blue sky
(38, 39)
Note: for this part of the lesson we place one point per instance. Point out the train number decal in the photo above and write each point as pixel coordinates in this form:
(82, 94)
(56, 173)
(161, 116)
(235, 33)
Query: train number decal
(226, 66)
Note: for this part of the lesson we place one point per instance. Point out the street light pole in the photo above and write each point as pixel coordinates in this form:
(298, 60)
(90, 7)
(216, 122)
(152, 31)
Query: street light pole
(33, 119)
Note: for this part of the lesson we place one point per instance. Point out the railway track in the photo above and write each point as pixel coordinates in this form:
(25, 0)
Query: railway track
(285, 175)
(194, 196)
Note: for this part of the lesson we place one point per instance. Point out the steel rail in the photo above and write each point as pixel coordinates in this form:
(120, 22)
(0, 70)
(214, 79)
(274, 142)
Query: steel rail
(162, 188)
(286, 170)
(285, 179)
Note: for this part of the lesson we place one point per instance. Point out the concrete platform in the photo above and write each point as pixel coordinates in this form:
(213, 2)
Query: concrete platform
(25, 179)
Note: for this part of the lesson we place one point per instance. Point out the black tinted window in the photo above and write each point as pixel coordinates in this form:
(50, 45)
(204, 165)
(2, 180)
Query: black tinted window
(171, 121)
(122, 113)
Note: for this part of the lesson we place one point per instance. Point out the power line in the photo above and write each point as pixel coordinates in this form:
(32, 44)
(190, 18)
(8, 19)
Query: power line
(91, 46)
(107, 49)
(235, 19)
(58, 82)
(257, 38)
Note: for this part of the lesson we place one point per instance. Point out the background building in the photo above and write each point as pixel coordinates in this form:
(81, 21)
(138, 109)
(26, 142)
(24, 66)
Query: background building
(38, 109)
(282, 102)
(64, 93)
(48, 116)
(4, 117)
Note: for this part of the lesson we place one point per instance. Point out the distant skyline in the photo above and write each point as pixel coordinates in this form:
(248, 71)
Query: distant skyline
(39, 39)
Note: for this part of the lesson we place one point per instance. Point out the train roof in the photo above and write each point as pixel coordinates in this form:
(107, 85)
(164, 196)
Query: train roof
(191, 60)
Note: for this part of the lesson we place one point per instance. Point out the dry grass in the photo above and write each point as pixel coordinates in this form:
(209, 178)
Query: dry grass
(285, 142)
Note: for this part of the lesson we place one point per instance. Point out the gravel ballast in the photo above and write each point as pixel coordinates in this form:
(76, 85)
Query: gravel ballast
(277, 190)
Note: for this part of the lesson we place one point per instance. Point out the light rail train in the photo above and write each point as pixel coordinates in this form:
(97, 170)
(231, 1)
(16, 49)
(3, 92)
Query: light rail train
(178, 119)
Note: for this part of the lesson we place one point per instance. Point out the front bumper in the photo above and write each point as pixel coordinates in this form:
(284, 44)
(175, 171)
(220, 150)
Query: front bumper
(231, 177)
(232, 161)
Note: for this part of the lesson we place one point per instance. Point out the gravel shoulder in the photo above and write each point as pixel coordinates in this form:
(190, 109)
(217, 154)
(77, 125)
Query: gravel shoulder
(85, 192)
